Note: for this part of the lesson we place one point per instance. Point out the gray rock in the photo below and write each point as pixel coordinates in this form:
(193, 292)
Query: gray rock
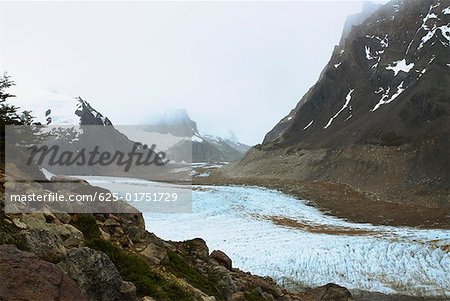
(154, 253)
(95, 274)
(328, 292)
(104, 235)
(118, 231)
(134, 233)
(39, 236)
(128, 291)
(19, 224)
(111, 222)
(10, 186)
(71, 236)
(63, 217)
(49, 216)
(43, 243)
(198, 247)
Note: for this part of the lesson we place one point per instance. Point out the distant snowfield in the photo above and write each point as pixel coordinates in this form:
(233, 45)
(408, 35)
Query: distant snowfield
(271, 234)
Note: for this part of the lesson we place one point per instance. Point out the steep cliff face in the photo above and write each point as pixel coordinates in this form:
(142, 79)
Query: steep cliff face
(387, 83)
(381, 107)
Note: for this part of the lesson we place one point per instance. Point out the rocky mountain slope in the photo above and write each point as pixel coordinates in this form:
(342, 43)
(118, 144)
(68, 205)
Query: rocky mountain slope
(378, 119)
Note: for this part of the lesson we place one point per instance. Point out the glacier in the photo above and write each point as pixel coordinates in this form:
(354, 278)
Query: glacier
(318, 249)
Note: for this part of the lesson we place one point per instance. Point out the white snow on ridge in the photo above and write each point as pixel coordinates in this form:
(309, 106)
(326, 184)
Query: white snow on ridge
(308, 125)
(196, 138)
(383, 100)
(421, 72)
(384, 42)
(139, 133)
(337, 65)
(400, 66)
(428, 17)
(425, 27)
(445, 30)
(347, 101)
(380, 89)
(371, 55)
(368, 55)
(62, 107)
(446, 11)
(396, 8)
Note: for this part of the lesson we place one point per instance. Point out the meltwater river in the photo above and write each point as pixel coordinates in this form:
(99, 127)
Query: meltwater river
(271, 234)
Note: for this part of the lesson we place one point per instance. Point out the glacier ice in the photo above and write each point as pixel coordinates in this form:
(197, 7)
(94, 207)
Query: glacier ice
(240, 221)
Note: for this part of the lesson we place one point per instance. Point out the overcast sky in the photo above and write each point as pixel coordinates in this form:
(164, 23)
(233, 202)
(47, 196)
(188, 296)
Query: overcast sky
(236, 67)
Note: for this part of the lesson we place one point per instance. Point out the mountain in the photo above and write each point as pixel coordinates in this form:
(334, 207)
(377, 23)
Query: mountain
(378, 118)
(205, 148)
(356, 19)
(81, 129)
(172, 131)
(208, 148)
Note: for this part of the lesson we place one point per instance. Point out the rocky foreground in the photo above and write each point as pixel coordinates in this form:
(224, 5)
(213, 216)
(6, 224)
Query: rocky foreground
(59, 256)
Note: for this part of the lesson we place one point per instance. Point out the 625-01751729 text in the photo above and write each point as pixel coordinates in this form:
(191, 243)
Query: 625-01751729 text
(97, 196)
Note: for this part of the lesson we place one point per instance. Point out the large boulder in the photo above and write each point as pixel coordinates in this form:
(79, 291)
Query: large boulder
(96, 275)
(45, 244)
(196, 247)
(23, 276)
(222, 259)
(154, 253)
(328, 292)
(47, 240)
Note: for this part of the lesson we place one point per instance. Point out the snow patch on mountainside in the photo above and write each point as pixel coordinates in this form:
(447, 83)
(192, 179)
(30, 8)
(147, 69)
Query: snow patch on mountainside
(372, 55)
(308, 125)
(347, 101)
(430, 27)
(196, 138)
(445, 31)
(368, 55)
(400, 66)
(385, 99)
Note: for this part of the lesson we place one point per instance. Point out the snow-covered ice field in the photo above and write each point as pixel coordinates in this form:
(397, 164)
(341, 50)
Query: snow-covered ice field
(271, 234)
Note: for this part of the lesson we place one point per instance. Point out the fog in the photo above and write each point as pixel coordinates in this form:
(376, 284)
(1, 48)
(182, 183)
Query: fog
(236, 67)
